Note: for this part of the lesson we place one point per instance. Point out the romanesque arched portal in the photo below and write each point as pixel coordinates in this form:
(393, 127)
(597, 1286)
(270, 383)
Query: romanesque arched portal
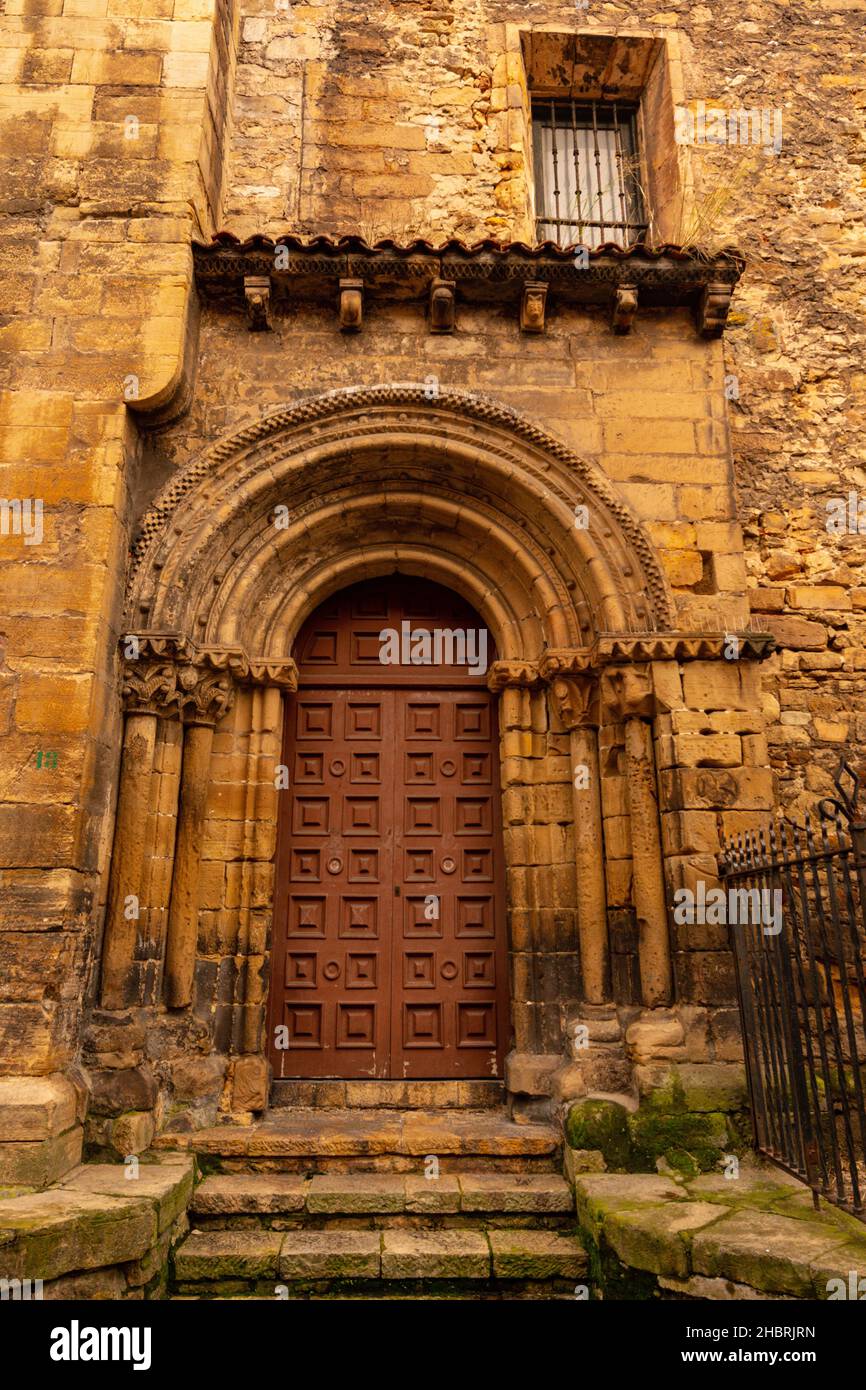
(235, 554)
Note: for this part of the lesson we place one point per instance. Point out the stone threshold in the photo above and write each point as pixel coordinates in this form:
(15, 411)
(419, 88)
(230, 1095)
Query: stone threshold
(390, 1095)
(311, 1133)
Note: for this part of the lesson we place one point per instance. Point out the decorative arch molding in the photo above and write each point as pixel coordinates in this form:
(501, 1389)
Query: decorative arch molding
(375, 479)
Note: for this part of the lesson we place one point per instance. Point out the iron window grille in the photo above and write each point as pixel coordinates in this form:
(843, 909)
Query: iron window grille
(587, 176)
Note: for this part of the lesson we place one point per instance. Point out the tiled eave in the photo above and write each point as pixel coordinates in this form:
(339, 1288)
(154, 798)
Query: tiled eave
(262, 274)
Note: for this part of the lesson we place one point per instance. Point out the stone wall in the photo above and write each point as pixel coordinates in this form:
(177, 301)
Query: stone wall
(112, 125)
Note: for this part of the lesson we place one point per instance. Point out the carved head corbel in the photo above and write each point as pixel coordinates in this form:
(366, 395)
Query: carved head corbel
(532, 307)
(442, 306)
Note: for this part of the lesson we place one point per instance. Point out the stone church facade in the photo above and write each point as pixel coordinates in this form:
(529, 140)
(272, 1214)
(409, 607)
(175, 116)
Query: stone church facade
(289, 361)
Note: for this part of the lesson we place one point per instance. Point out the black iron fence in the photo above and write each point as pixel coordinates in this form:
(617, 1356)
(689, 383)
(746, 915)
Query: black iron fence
(795, 899)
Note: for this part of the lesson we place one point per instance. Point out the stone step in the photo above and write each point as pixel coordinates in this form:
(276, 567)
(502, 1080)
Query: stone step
(315, 1141)
(390, 1095)
(387, 1263)
(284, 1200)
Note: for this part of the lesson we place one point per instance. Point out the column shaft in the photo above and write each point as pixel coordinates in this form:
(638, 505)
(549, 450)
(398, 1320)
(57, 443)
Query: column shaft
(133, 804)
(183, 913)
(649, 889)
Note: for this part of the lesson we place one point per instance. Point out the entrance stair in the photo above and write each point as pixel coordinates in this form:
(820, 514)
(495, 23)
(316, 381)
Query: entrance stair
(317, 1204)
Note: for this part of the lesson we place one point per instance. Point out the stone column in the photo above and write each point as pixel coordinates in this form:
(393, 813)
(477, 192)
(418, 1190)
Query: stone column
(577, 705)
(627, 692)
(208, 695)
(149, 693)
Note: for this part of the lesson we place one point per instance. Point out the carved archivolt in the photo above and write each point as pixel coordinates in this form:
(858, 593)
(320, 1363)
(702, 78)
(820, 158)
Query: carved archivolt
(258, 530)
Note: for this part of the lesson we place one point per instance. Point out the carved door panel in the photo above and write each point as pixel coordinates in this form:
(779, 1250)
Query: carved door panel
(448, 978)
(332, 943)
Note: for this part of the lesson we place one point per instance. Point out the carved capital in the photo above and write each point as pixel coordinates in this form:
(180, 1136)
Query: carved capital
(257, 296)
(150, 687)
(576, 700)
(165, 673)
(627, 693)
(351, 305)
(624, 308)
(205, 695)
(532, 306)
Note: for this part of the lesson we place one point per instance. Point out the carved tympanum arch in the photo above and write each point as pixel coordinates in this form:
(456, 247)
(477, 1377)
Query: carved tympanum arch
(259, 529)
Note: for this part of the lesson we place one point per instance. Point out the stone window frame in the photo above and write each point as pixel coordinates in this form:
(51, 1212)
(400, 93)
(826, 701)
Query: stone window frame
(531, 53)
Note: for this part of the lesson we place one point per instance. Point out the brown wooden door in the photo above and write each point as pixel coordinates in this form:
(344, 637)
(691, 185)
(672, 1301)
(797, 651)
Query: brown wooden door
(389, 954)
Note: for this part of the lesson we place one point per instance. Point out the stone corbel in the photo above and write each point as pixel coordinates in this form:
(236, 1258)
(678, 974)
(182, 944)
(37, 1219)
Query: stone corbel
(257, 294)
(442, 306)
(351, 305)
(624, 308)
(713, 308)
(627, 692)
(533, 305)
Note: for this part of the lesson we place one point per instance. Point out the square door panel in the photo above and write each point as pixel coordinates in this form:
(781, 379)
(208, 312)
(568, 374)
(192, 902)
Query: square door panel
(422, 1025)
(419, 970)
(304, 1022)
(309, 768)
(472, 722)
(307, 916)
(419, 865)
(361, 815)
(365, 767)
(315, 720)
(362, 970)
(422, 815)
(306, 865)
(474, 916)
(477, 864)
(423, 721)
(359, 917)
(321, 648)
(363, 866)
(366, 649)
(479, 970)
(372, 603)
(356, 1025)
(476, 768)
(311, 815)
(476, 1026)
(419, 767)
(301, 972)
(422, 916)
(474, 815)
(363, 721)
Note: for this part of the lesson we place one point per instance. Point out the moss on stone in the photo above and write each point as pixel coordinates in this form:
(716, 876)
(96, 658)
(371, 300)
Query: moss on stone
(688, 1143)
(600, 1125)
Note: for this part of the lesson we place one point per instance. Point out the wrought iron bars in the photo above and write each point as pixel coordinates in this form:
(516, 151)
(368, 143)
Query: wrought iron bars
(802, 992)
(586, 173)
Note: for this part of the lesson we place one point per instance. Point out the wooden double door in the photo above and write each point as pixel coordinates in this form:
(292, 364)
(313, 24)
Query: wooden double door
(389, 954)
